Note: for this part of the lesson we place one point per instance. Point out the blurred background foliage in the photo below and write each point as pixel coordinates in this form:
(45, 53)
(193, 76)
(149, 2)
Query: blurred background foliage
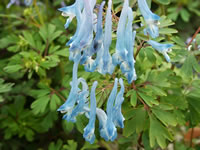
(35, 74)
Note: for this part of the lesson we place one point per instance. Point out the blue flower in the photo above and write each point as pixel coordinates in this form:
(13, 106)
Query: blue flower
(161, 48)
(151, 19)
(11, 3)
(121, 51)
(106, 126)
(117, 115)
(89, 129)
(85, 35)
(96, 47)
(72, 11)
(81, 102)
(80, 108)
(128, 66)
(125, 43)
(73, 96)
(28, 2)
(105, 64)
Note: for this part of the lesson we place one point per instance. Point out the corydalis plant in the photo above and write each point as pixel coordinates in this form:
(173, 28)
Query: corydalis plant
(90, 46)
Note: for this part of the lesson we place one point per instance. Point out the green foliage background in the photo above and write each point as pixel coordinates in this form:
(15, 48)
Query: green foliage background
(35, 73)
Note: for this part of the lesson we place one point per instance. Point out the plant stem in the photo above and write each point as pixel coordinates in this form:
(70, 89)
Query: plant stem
(138, 49)
(191, 137)
(58, 94)
(193, 37)
(38, 12)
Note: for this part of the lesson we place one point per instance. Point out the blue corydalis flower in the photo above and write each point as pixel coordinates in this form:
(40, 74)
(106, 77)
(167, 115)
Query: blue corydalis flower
(106, 65)
(117, 117)
(81, 102)
(89, 129)
(121, 51)
(96, 47)
(151, 19)
(127, 66)
(161, 48)
(71, 12)
(125, 44)
(106, 126)
(85, 35)
(73, 96)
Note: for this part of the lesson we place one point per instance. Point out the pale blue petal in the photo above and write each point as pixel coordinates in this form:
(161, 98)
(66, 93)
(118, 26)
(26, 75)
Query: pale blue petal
(151, 19)
(85, 34)
(73, 96)
(71, 116)
(146, 12)
(107, 66)
(120, 45)
(161, 48)
(99, 34)
(78, 9)
(102, 117)
(89, 129)
(117, 115)
(110, 127)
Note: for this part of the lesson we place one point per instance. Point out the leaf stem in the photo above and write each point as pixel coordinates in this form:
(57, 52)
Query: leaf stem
(58, 94)
(138, 49)
(193, 37)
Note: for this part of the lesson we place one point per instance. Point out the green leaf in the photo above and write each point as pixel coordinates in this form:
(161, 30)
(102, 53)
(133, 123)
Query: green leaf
(40, 104)
(195, 64)
(185, 15)
(148, 99)
(167, 31)
(55, 146)
(12, 68)
(5, 87)
(158, 133)
(29, 38)
(165, 117)
(137, 123)
(54, 102)
(134, 98)
(187, 67)
(72, 145)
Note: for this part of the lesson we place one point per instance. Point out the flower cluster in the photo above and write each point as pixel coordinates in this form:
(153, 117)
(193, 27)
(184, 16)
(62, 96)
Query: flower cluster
(78, 103)
(89, 46)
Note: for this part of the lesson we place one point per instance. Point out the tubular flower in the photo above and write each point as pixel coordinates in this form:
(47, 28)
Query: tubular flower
(96, 47)
(75, 96)
(151, 19)
(89, 129)
(161, 48)
(106, 65)
(12, 2)
(121, 51)
(72, 11)
(125, 44)
(117, 117)
(85, 35)
(106, 126)
(128, 66)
